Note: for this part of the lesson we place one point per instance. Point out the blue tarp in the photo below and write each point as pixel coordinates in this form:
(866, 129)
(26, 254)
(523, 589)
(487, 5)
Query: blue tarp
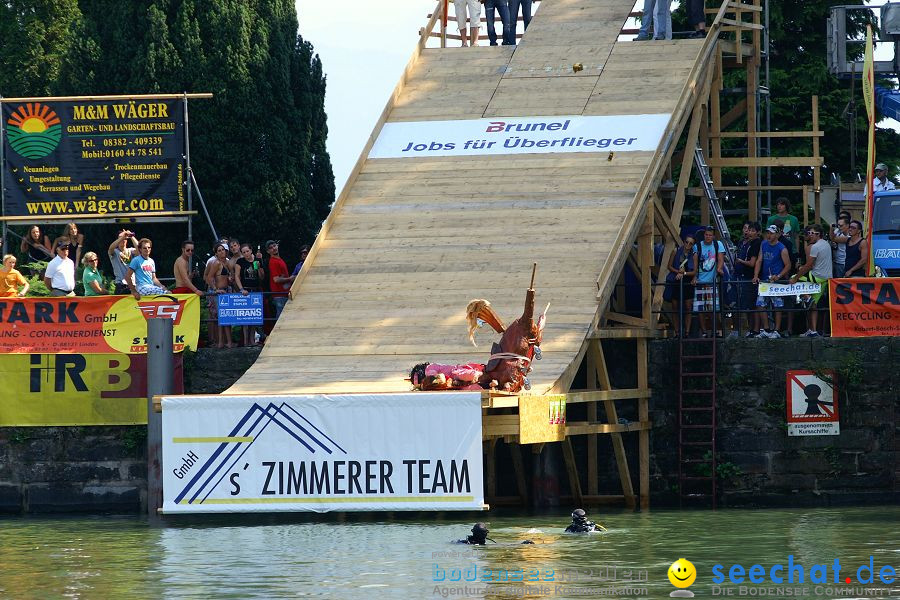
(888, 102)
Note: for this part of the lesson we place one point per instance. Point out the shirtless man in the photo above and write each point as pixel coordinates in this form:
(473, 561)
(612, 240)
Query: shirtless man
(182, 269)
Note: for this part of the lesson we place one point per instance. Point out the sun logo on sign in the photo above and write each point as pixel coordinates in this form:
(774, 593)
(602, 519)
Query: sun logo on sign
(34, 130)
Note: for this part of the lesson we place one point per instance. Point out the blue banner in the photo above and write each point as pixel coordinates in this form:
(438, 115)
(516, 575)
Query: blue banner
(238, 309)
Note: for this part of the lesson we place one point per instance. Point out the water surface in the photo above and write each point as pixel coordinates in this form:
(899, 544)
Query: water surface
(358, 556)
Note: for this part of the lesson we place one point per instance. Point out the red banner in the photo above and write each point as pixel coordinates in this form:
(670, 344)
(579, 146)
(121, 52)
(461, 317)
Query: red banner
(94, 325)
(865, 306)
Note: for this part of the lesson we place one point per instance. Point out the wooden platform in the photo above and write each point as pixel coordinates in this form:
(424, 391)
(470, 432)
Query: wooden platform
(411, 241)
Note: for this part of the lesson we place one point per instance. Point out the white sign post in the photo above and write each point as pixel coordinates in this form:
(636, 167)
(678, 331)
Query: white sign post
(415, 451)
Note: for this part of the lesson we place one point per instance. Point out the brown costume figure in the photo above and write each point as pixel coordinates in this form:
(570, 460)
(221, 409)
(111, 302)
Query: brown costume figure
(511, 358)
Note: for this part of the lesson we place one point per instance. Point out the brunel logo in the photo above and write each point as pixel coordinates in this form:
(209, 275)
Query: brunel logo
(499, 126)
(34, 130)
(164, 307)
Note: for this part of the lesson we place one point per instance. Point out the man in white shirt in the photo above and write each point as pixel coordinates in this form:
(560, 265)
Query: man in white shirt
(817, 269)
(882, 182)
(60, 274)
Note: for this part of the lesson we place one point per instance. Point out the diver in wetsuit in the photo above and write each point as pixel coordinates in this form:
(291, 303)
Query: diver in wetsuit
(478, 537)
(580, 524)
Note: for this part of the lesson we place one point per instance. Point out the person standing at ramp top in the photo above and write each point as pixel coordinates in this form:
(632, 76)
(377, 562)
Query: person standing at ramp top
(474, 7)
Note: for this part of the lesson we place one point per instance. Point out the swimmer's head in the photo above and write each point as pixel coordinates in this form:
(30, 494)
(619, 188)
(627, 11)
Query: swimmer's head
(480, 532)
(579, 515)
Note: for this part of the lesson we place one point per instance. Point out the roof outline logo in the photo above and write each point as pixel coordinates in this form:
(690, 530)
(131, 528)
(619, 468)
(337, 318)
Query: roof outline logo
(251, 426)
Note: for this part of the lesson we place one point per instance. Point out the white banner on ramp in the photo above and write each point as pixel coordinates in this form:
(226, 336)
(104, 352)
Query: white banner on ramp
(415, 451)
(520, 135)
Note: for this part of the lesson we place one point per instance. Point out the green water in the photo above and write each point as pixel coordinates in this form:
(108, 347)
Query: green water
(360, 557)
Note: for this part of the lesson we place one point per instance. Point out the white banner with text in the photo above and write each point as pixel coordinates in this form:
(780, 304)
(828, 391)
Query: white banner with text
(320, 453)
(526, 135)
(801, 288)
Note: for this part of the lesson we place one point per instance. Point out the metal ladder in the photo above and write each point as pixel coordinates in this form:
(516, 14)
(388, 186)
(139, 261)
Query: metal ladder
(697, 366)
(714, 207)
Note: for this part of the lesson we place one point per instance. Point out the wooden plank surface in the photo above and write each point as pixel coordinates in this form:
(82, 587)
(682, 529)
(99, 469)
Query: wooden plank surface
(412, 241)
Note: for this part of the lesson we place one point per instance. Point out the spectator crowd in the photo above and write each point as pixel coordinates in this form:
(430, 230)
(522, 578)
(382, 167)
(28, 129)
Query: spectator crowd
(700, 284)
(233, 267)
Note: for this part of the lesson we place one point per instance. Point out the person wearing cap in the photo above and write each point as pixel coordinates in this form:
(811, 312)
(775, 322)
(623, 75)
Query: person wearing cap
(816, 269)
(580, 523)
(279, 277)
(60, 274)
(772, 264)
(882, 182)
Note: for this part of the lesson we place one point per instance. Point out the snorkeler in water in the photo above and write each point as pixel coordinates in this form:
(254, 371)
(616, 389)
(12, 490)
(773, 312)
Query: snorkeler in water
(478, 537)
(580, 524)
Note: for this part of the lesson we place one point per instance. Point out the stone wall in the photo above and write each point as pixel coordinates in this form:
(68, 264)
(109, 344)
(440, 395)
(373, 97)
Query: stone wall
(103, 469)
(762, 464)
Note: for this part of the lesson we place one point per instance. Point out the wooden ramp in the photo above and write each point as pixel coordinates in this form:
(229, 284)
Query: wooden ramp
(411, 241)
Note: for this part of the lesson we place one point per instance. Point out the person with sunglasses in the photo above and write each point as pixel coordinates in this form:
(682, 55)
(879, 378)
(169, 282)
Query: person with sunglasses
(816, 269)
(91, 278)
(182, 270)
(60, 274)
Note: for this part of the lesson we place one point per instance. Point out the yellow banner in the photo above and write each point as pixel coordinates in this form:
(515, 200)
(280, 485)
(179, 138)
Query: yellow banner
(869, 75)
(869, 96)
(76, 389)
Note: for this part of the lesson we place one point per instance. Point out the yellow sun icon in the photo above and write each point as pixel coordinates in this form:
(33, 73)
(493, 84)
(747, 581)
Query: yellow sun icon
(34, 130)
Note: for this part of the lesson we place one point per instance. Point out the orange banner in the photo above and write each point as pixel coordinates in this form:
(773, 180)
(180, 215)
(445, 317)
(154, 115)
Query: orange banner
(865, 306)
(94, 325)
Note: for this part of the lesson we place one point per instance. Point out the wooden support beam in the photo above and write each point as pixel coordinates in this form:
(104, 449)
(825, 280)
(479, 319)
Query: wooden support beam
(740, 25)
(618, 333)
(601, 375)
(593, 483)
(499, 425)
(572, 468)
(643, 359)
(738, 111)
(626, 319)
(668, 228)
(515, 451)
(752, 144)
(769, 134)
(774, 161)
(583, 427)
(579, 396)
(645, 253)
(817, 174)
(490, 466)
